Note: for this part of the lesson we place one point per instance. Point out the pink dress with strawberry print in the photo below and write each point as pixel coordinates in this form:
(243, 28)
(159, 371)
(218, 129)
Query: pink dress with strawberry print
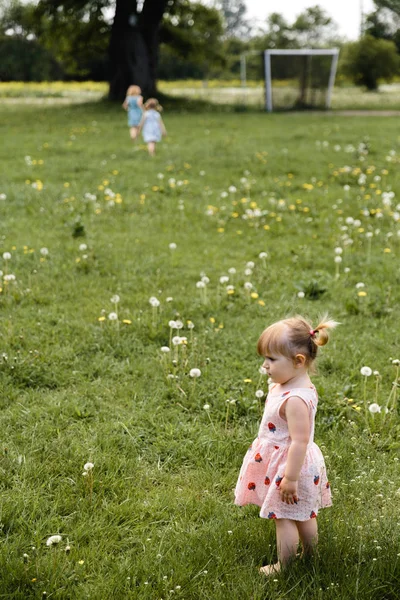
(264, 465)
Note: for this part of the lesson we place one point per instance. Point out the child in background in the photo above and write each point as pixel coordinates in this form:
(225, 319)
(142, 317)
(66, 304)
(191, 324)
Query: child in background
(133, 105)
(283, 471)
(152, 125)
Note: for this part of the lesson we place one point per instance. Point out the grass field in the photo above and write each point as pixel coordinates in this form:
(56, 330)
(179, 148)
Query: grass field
(218, 92)
(91, 280)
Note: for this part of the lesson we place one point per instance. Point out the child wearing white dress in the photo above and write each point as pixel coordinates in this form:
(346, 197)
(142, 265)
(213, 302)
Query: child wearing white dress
(283, 471)
(133, 104)
(152, 126)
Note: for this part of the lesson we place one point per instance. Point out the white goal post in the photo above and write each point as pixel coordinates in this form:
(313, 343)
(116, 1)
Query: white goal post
(334, 52)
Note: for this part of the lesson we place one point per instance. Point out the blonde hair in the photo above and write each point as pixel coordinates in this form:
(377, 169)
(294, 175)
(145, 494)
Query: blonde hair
(153, 103)
(295, 335)
(133, 90)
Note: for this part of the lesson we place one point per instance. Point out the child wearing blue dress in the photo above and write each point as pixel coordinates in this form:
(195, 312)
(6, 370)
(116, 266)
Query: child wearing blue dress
(152, 126)
(133, 104)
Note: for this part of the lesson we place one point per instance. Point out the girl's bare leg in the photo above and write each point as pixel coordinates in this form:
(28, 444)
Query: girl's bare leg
(308, 531)
(151, 146)
(287, 541)
(133, 131)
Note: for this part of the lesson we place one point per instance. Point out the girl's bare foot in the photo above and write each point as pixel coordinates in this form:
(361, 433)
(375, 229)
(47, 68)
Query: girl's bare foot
(269, 570)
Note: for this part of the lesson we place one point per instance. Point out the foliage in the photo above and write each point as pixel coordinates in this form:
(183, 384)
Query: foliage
(384, 24)
(369, 60)
(26, 60)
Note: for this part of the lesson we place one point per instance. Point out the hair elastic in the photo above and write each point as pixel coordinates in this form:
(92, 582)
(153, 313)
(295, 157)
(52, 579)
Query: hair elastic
(313, 332)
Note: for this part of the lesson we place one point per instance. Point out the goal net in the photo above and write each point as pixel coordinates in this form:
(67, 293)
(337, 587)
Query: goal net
(299, 79)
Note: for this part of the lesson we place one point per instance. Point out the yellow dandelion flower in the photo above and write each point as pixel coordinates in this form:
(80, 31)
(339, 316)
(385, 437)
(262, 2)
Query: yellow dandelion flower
(221, 326)
(239, 232)
(243, 200)
(81, 562)
(127, 321)
(77, 260)
(115, 172)
(292, 207)
(101, 319)
(253, 204)
(387, 250)
(367, 197)
(33, 580)
(230, 292)
(220, 230)
(357, 408)
(67, 184)
(361, 294)
(378, 192)
(361, 230)
(100, 187)
(247, 381)
(155, 188)
(278, 219)
(261, 302)
(266, 227)
(385, 172)
(98, 211)
(235, 215)
(212, 320)
(299, 201)
(106, 182)
(254, 295)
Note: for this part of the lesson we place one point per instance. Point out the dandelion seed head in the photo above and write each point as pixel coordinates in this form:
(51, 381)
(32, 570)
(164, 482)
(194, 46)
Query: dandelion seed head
(366, 371)
(194, 372)
(53, 540)
(154, 302)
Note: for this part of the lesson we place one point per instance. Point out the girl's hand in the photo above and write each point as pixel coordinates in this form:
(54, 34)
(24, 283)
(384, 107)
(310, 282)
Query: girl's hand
(288, 491)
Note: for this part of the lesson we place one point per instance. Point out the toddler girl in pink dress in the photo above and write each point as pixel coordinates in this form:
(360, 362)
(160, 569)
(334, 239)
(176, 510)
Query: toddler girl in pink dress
(283, 471)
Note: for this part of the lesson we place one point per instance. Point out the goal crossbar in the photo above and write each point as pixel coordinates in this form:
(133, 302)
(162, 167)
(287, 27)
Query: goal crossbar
(334, 52)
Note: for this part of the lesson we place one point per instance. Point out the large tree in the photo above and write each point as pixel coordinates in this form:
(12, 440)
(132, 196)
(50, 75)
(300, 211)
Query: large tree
(135, 33)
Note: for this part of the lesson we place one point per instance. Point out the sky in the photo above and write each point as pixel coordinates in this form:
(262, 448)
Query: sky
(345, 13)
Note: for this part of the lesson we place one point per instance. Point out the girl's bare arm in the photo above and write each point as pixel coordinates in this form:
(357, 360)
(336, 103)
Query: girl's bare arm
(298, 420)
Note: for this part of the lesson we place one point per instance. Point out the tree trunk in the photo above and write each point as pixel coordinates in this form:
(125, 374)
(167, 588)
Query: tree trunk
(134, 47)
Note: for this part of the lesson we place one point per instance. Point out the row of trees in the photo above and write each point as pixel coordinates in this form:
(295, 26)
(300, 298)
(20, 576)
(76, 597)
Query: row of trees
(133, 40)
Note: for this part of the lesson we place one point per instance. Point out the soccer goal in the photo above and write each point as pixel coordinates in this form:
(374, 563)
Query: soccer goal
(299, 79)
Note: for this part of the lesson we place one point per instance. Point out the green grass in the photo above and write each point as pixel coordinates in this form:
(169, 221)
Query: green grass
(159, 512)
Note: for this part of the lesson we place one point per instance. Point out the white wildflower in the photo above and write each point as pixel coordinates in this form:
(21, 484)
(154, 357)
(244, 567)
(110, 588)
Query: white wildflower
(366, 371)
(53, 539)
(195, 373)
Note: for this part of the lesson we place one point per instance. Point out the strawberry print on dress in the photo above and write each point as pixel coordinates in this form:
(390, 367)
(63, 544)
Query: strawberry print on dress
(265, 462)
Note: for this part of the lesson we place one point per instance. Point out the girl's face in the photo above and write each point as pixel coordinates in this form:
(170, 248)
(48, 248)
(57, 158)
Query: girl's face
(279, 368)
